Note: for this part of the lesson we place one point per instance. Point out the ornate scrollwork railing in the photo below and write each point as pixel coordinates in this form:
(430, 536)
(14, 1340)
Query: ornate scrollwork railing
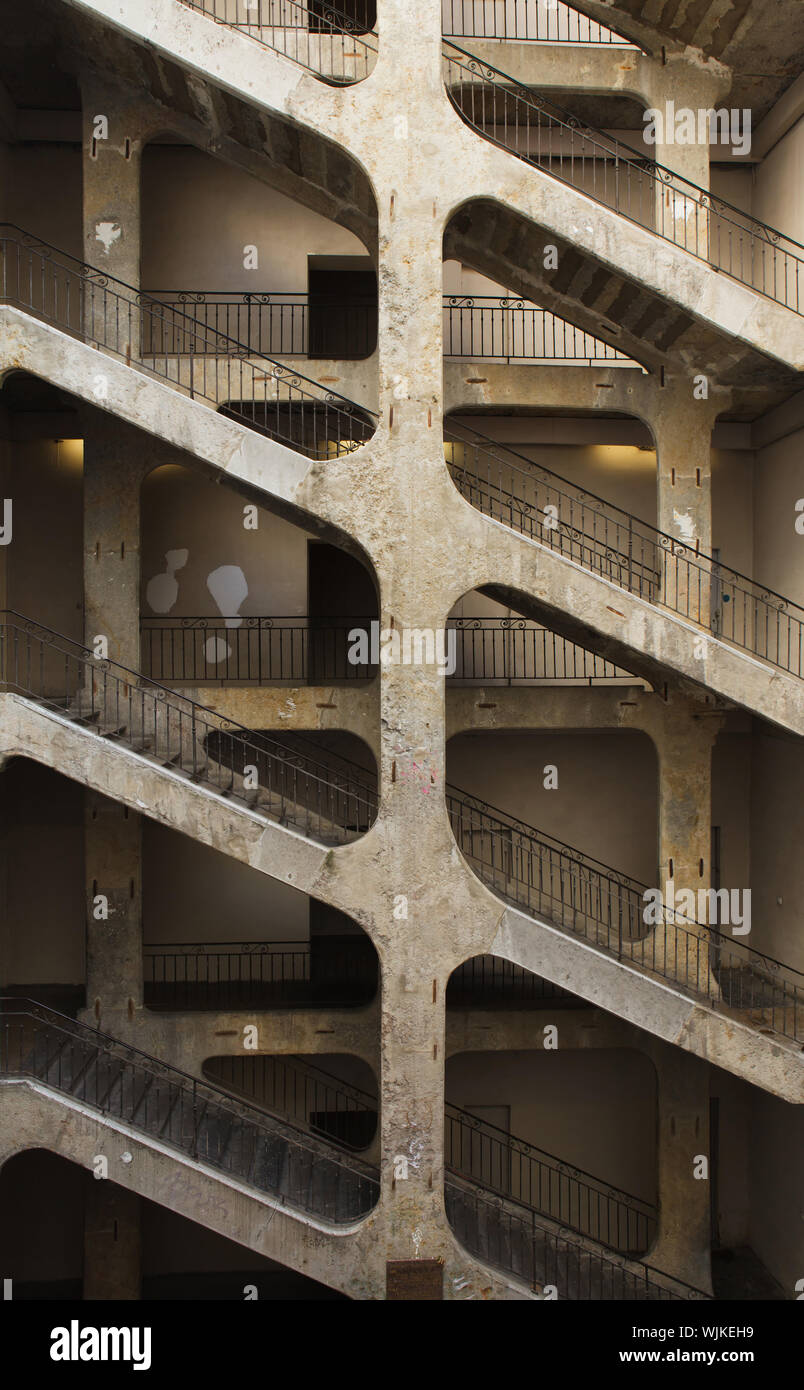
(168, 342)
(337, 46)
(539, 131)
(294, 785)
(526, 21)
(612, 543)
(547, 878)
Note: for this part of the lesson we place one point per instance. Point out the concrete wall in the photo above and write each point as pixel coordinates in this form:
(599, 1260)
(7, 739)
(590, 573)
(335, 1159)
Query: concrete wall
(593, 1109)
(198, 214)
(779, 188)
(777, 1211)
(42, 927)
(46, 482)
(195, 894)
(606, 800)
(777, 834)
(182, 510)
(32, 174)
(778, 547)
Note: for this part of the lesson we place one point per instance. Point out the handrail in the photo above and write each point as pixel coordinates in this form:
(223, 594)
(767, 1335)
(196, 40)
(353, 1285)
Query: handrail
(225, 1132)
(533, 870)
(687, 215)
(282, 322)
(549, 879)
(526, 22)
(521, 1171)
(165, 725)
(638, 557)
(269, 648)
(285, 27)
(94, 306)
(509, 1236)
(253, 1148)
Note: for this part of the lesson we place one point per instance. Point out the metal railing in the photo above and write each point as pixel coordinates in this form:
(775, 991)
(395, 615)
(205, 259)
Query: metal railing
(304, 651)
(516, 651)
(285, 323)
(610, 542)
(191, 1116)
(286, 1157)
(276, 323)
(293, 785)
(531, 21)
(303, 1093)
(546, 878)
(321, 973)
(85, 302)
(519, 1241)
(251, 650)
(492, 982)
(529, 1176)
(474, 1151)
(539, 131)
(334, 42)
(508, 330)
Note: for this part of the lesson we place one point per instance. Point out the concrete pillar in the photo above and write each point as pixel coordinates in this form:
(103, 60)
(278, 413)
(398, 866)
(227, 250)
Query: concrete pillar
(683, 1244)
(683, 433)
(113, 849)
(112, 1242)
(685, 744)
(114, 466)
(113, 137)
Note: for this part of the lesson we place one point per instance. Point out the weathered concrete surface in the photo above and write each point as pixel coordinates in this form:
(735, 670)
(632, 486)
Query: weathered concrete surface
(360, 119)
(773, 1063)
(395, 499)
(615, 622)
(349, 1258)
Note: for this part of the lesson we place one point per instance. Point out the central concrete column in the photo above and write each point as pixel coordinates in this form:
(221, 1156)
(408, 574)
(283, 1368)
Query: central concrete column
(112, 1242)
(113, 855)
(685, 740)
(114, 466)
(683, 433)
(113, 138)
(683, 1244)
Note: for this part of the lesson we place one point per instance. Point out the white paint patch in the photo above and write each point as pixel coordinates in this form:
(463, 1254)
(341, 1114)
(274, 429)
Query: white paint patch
(216, 650)
(162, 591)
(685, 526)
(229, 589)
(107, 233)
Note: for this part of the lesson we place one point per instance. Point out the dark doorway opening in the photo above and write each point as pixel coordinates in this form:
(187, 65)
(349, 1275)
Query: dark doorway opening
(342, 307)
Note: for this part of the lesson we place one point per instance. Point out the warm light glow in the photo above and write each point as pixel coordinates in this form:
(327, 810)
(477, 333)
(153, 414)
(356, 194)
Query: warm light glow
(70, 454)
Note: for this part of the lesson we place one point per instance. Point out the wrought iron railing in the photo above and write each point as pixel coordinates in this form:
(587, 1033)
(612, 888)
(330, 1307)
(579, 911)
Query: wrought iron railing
(531, 21)
(516, 651)
(521, 1242)
(301, 650)
(289, 784)
(251, 650)
(506, 329)
(280, 323)
(335, 42)
(322, 973)
(492, 982)
(547, 878)
(87, 303)
(301, 1092)
(194, 1117)
(572, 1198)
(586, 529)
(276, 323)
(536, 129)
